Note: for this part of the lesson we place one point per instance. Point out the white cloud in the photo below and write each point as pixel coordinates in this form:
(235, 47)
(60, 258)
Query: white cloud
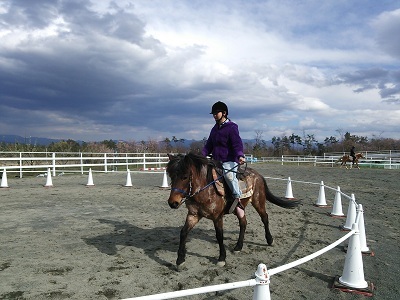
(387, 28)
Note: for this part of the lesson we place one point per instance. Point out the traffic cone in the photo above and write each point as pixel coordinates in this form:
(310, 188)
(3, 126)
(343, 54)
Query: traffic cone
(321, 201)
(363, 240)
(128, 179)
(4, 183)
(337, 210)
(165, 180)
(353, 271)
(49, 182)
(261, 289)
(289, 192)
(90, 179)
(351, 214)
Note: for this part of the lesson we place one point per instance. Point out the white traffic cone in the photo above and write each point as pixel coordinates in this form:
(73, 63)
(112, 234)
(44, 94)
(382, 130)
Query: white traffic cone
(351, 214)
(261, 289)
(321, 201)
(49, 182)
(353, 271)
(289, 192)
(90, 179)
(4, 183)
(128, 179)
(165, 180)
(360, 222)
(337, 210)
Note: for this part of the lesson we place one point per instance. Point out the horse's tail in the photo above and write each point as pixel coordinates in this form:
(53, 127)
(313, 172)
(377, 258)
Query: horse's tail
(285, 203)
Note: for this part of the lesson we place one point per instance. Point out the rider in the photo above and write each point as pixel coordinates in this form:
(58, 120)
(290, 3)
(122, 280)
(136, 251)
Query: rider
(353, 154)
(225, 145)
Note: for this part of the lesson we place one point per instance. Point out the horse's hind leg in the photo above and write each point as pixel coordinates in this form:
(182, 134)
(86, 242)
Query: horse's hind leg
(260, 208)
(191, 221)
(219, 232)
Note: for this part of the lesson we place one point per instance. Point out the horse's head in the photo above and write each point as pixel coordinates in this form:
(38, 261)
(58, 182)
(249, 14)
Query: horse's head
(179, 172)
(181, 169)
(359, 155)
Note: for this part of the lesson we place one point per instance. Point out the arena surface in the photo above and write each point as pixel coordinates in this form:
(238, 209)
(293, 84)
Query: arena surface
(113, 242)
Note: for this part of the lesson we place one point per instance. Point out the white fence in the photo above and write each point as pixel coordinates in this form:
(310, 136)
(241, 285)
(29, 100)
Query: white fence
(389, 159)
(73, 162)
(39, 162)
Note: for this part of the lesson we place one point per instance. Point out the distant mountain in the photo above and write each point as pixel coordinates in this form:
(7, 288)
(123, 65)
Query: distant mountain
(32, 140)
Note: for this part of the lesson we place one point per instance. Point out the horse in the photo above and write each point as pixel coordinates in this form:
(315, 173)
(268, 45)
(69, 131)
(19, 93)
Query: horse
(347, 158)
(193, 183)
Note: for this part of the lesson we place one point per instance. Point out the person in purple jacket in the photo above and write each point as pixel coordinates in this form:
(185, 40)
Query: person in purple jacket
(225, 145)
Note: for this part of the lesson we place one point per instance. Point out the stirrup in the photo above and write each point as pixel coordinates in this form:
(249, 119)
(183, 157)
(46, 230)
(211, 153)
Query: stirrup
(233, 206)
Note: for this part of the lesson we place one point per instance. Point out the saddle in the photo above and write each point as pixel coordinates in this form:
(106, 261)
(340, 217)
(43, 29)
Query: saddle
(244, 182)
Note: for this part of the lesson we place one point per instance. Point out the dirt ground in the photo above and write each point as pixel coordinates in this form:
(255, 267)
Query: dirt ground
(108, 241)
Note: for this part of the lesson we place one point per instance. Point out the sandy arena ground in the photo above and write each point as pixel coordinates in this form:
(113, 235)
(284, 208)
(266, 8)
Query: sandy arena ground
(113, 242)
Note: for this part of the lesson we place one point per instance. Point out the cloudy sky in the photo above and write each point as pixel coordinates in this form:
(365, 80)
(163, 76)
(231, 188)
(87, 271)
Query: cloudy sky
(151, 69)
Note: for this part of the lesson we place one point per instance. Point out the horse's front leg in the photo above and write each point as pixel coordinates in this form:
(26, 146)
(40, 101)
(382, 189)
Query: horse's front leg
(219, 232)
(242, 226)
(191, 221)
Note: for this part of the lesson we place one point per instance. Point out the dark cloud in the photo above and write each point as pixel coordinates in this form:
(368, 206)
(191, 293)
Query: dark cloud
(387, 81)
(72, 71)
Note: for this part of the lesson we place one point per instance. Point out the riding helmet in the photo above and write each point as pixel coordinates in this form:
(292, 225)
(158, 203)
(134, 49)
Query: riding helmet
(219, 106)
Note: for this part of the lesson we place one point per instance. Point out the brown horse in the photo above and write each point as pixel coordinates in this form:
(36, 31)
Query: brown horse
(192, 183)
(347, 158)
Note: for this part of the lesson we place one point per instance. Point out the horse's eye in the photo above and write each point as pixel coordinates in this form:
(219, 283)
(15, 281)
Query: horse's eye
(184, 177)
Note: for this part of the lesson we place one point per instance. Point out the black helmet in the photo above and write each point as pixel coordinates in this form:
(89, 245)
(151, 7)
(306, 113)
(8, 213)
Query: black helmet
(219, 106)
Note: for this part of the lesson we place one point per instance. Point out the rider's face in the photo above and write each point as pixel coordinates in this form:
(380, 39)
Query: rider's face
(218, 116)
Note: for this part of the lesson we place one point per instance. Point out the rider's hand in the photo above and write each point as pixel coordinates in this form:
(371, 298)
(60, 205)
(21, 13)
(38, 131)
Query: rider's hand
(242, 160)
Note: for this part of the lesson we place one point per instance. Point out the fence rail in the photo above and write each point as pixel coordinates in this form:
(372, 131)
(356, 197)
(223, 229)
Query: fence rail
(74, 162)
(39, 162)
(388, 159)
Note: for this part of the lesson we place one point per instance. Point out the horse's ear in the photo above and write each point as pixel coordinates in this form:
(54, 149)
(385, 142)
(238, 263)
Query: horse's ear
(170, 156)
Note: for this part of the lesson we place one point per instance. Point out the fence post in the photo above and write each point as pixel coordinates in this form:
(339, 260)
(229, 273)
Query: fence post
(105, 162)
(53, 155)
(144, 161)
(20, 165)
(81, 154)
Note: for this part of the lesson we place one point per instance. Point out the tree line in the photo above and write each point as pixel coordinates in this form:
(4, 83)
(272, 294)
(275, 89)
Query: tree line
(294, 144)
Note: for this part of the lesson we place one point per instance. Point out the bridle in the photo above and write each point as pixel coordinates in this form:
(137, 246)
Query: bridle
(189, 194)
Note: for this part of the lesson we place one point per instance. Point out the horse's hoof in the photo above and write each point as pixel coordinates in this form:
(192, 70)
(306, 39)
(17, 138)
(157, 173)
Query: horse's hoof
(180, 267)
(221, 263)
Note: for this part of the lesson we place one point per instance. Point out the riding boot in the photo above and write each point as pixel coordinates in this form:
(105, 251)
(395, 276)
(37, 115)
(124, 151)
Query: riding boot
(234, 204)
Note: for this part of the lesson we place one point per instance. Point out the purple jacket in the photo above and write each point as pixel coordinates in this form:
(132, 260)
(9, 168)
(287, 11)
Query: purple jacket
(224, 143)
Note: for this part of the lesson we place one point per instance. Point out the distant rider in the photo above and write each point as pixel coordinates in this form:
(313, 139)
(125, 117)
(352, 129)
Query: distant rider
(353, 154)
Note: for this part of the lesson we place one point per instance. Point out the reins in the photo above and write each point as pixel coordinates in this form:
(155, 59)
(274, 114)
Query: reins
(189, 195)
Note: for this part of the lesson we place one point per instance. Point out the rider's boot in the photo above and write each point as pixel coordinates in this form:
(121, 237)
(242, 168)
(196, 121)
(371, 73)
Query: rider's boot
(234, 204)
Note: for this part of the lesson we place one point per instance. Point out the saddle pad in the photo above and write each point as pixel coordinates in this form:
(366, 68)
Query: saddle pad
(246, 191)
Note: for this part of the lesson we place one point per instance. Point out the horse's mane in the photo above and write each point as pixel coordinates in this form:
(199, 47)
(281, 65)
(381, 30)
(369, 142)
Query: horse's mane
(180, 163)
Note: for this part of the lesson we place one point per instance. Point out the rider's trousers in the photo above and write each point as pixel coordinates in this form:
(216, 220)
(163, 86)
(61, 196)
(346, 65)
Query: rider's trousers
(230, 171)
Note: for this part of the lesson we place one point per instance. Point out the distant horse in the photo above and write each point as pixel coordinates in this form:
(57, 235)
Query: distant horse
(347, 158)
(192, 183)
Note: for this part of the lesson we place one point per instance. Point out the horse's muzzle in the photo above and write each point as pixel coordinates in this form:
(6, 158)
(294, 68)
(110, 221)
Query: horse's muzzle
(173, 204)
